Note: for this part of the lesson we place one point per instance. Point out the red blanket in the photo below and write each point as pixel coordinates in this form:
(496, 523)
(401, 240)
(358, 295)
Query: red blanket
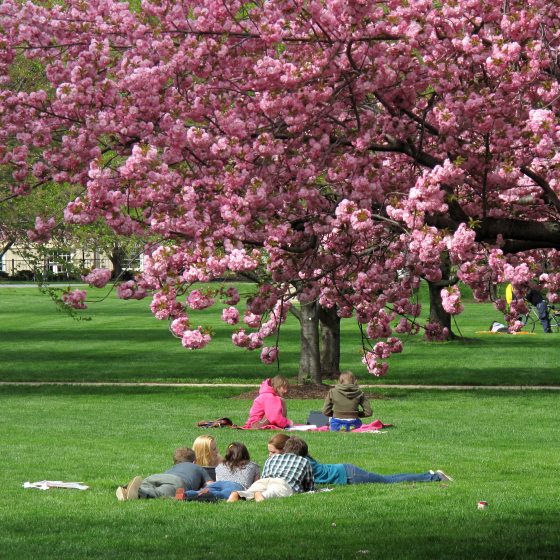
(373, 427)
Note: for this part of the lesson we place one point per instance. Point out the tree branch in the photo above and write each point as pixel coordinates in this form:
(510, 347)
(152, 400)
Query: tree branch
(551, 196)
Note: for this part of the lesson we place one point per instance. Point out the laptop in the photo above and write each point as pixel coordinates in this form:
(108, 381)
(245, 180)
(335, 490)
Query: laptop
(318, 419)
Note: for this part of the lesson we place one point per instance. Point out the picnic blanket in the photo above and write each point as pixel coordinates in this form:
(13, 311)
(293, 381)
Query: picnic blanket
(373, 427)
(490, 332)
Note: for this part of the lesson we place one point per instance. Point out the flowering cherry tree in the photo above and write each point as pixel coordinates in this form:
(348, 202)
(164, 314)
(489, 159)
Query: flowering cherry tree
(346, 148)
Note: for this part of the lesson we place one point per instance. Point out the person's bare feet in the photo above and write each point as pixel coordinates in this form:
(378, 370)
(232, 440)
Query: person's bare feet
(259, 497)
(234, 497)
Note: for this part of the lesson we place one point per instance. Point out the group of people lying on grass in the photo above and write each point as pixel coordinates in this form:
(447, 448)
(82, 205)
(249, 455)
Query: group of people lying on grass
(342, 404)
(288, 470)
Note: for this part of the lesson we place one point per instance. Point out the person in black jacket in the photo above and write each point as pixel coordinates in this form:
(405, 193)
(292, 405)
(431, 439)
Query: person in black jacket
(536, 300)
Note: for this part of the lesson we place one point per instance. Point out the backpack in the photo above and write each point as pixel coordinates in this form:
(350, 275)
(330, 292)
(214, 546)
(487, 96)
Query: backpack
(219, 423)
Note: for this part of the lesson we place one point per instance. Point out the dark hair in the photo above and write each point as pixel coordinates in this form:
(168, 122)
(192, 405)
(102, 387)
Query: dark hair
(184, 455)
(237, 456)
(296, 446)
(279, 441)
(298, 443)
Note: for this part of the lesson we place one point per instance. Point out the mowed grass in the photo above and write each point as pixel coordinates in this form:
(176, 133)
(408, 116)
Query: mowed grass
(124, 342)
(501, 447)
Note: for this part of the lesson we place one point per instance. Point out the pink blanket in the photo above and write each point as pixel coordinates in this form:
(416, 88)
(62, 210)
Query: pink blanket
(373, 427)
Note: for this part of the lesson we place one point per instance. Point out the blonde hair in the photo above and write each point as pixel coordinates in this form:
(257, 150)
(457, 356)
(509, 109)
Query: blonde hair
(278, 382)
(347, 377)
(203, 448)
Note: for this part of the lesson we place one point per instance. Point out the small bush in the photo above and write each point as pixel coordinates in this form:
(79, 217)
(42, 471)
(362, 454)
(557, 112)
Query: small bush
(4, 274)
(24, 275)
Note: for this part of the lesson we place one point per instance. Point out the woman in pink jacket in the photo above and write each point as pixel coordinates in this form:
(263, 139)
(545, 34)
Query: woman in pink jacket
(269, 407)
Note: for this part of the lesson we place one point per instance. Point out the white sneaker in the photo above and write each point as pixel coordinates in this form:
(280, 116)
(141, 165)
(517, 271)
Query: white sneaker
(444, 477)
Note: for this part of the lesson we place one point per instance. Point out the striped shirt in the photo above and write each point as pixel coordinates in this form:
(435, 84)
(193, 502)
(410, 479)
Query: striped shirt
(295, 470)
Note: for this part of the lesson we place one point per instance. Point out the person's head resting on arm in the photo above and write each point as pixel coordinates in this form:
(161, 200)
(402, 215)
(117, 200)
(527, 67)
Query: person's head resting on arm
(276, 444)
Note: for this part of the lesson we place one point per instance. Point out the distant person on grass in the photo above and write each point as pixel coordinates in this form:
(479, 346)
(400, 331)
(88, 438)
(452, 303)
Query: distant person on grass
(282, 475)
(185, 474)
(269, 408)
(237, 472)
(536, 300)
(343, 404)
(346, 473)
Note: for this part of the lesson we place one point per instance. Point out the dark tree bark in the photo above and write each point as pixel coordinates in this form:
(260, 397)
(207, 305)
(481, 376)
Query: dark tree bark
(330, 341)
(117, 257)
(310, 356)
(437, 312)
(5, 248)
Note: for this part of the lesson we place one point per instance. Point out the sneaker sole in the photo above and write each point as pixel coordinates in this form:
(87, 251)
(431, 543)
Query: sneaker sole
(133, 488)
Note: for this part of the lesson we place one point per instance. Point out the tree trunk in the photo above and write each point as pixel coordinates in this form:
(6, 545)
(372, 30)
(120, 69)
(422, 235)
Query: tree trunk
(6, 248)
(437, 312)
(310, 356)
(330, 341)
(117, 257)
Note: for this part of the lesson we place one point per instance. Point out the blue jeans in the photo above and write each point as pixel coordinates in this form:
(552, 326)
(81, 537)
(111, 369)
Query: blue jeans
(360, 476)
(336, 424)
(222, 489)
(543, 316)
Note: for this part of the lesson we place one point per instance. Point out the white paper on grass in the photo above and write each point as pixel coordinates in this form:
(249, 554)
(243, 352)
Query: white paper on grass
(302, 428)
(46, 484)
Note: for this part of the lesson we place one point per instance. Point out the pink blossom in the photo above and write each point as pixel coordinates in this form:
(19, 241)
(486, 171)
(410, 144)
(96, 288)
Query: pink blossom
(435, 333)
(98, 277)
(75, 299)
(251, 320)
(269, 355)
(198, 300)
(451, 300)
(195, 340)
(230, 316)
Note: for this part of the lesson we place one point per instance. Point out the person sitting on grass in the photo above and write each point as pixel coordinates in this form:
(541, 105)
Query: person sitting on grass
(343, 404)
(185, 474)
(346, 473)
(269, 408)
(237, 472)
(206, 450)
(282, 475)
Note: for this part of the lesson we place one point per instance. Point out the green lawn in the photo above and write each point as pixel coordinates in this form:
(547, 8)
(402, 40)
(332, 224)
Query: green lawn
(500, 447)
(124, 342)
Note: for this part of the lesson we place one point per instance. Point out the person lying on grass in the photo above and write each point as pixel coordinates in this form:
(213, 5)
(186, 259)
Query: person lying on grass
(269, 408)
(282, 475)
(346, 473)
(343, 404)
(185, 474)
(237, 472)
(206, 450)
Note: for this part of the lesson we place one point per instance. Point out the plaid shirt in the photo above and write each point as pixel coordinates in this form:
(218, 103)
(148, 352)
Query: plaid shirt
(295, 470)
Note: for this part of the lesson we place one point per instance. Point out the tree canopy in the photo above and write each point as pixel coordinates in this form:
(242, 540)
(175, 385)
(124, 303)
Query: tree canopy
(344, 147)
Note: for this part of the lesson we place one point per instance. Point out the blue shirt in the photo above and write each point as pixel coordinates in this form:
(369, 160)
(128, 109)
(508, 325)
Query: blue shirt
(328, 474)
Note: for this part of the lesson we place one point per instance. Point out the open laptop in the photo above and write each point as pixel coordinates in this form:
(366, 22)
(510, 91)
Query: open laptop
(318, 419)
